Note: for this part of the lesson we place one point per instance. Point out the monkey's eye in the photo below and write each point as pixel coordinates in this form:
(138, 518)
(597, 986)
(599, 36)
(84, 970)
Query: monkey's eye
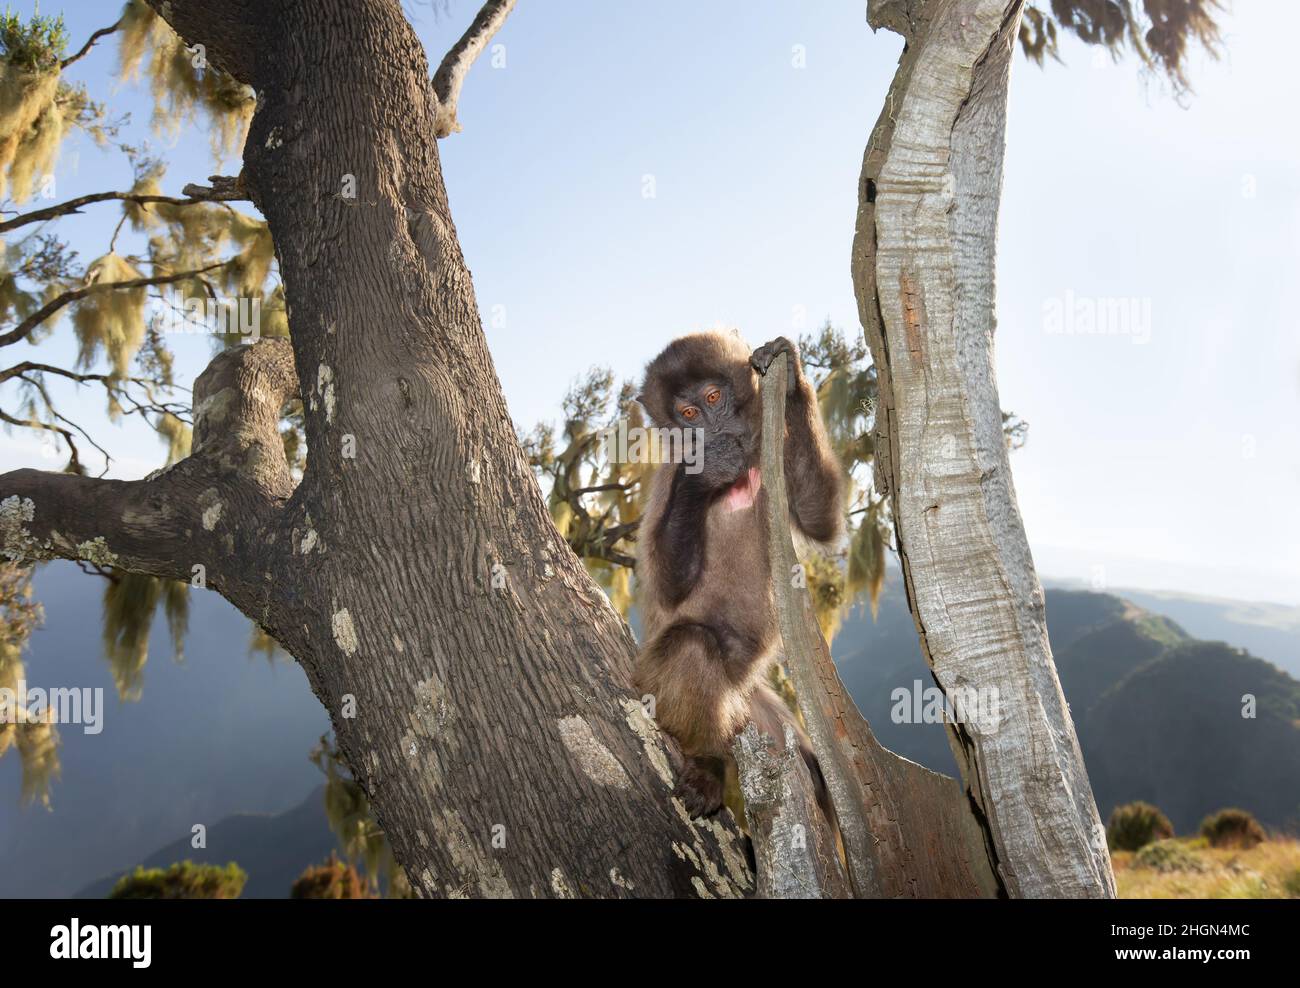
(713, 396)
(689, 412)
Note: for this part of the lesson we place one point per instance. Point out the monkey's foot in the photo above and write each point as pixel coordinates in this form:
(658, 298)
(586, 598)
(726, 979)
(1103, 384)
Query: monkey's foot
(700, 789)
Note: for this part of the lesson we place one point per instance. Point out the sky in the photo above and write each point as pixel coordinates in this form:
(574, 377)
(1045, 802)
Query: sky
(627, 174)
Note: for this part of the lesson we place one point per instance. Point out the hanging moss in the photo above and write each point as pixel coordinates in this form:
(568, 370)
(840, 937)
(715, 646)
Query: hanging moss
(112, 319)
(182, 82)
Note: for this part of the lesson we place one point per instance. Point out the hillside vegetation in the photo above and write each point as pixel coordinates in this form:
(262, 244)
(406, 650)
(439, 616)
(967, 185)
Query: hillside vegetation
(1159, 714)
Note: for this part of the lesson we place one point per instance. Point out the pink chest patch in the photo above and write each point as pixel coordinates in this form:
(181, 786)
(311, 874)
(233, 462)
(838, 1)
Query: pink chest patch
(742, 493)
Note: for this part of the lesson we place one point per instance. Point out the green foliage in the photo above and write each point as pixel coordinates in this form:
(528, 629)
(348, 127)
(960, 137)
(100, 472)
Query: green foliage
(595, 501)
(33, 46)
(334, 879)
(36, 106)
(1232, 828)
(1135, 825)
(1168, 855)
(1159, 32)
(184, 880)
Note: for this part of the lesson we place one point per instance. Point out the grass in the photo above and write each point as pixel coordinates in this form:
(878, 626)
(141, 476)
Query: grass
(1270, 870)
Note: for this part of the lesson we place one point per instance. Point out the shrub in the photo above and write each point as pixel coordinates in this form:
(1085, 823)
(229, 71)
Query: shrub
(1134, 825)
(185, 880)
(332, 880)
(1232, 828)
(1167, 855)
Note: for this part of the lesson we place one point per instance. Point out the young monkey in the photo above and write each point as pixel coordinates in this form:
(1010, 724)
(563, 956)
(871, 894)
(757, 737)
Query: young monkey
(703, 574)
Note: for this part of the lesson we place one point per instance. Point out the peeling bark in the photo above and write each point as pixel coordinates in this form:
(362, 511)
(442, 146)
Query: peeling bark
(923, 265)
(793, 846)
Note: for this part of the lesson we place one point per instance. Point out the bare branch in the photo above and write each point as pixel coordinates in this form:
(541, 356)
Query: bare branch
(794, 845)
(224, 190)
(74, 462)
(214, 508)
(90, 43)
(450, 77)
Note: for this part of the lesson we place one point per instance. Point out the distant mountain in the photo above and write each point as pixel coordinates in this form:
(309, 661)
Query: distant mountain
(1171, 732)
(1158, 713)
(1271, 631)
(273, 850)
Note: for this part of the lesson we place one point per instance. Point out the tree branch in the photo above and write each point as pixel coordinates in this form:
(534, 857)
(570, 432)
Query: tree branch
(794, 847)
(224, 190)
(450, 77)
(90, 44)
(217, 508)
(26, 327)
(229, 31)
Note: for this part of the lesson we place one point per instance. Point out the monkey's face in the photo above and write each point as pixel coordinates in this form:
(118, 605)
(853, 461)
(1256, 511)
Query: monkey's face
(722, 416)
(710, 405)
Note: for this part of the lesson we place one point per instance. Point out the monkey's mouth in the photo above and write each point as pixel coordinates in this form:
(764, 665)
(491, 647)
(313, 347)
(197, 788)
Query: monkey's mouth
(742, 493)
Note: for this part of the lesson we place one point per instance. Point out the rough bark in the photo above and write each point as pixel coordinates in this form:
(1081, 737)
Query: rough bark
(923, 268)
(414, 572)
(794, 848)
(907, 831)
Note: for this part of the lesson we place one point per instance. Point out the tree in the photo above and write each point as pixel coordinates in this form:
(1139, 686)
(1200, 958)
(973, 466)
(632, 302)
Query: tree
(923, 264)
(475, 675)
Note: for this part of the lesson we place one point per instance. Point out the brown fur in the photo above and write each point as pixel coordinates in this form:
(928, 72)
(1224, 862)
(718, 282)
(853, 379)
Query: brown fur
(705, 656)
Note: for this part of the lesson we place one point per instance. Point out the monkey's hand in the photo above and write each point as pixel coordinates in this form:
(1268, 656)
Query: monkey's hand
(762, 359)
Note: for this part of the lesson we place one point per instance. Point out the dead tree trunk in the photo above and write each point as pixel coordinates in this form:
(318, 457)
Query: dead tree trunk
(923, 268)
(476, 677)
(907, 831)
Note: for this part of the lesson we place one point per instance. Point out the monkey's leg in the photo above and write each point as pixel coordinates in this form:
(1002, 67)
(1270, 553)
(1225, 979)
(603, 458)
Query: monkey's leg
(698, 675)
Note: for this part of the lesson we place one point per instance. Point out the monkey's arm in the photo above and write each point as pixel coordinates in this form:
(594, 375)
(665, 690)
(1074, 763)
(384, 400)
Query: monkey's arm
(679, 537)
(812, 474)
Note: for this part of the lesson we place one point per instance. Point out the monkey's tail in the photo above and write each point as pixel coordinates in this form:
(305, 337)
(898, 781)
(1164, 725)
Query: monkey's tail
(770, 715)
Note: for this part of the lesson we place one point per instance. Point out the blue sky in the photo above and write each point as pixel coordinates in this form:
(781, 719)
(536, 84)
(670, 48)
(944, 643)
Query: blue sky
(1164, 456)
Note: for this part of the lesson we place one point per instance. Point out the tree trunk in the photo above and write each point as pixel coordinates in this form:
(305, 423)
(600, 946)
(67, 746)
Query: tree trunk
(923, 268)
(476, 677)
(907, 831)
